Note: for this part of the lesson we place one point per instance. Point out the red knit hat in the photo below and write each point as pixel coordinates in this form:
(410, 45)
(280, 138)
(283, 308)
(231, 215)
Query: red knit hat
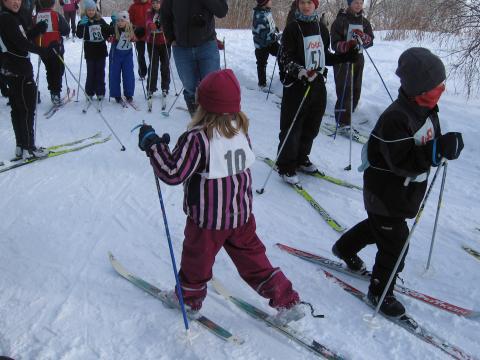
(219, 92)
(316, 2)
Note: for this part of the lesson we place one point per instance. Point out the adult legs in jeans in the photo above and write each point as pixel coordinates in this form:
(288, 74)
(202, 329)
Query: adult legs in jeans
(193, 64)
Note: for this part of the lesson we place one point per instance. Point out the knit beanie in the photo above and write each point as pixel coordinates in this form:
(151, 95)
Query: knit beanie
(123, 15)
(261, 2)
(419, 71)
(219, 92)
(349, 2)
(45, 4)
(89, 4)
(316, 2)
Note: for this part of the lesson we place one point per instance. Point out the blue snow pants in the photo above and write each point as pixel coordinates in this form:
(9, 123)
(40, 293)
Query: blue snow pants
(121, 63)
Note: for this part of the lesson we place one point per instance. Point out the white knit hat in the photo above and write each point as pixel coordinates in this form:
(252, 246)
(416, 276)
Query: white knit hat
(123, 15)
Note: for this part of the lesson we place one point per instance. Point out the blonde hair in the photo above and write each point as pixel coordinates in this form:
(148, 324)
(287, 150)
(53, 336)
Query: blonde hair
(228, 125)
(97, 15)
(128, 31)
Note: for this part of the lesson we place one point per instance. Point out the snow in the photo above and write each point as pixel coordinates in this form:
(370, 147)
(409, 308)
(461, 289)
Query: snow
(61, 299)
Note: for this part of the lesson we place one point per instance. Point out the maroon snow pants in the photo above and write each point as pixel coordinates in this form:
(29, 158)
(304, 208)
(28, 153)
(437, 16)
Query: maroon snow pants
(247, 253)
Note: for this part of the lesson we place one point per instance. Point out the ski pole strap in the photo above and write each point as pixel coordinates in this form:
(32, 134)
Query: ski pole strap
(312, 311)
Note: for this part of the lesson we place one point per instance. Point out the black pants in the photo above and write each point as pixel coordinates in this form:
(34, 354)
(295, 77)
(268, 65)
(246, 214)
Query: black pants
(22, 101)
(160, 55)
(55, 70)
(390, 235)
(3, 79)
(299, 143)
(342, 74)
(262, 59)
(142, 65)
(95, 82)
(71, 16)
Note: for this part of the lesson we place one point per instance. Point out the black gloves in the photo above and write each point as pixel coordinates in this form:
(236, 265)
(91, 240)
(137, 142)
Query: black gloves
(352, 55)
(448, 146)
(139, 32)
(41, 27)
(147, 137)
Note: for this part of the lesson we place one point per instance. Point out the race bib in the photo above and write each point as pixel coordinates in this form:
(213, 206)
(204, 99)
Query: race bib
(124, 43)
(47, 17)
(229, 156)
(425, 133)
(352, 27)
(314, 52)
(95, 32)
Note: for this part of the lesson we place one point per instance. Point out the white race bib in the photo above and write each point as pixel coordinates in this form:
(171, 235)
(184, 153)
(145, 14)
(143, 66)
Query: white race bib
(47, 17)
(229, 156)
(425, 133)
(314, 52)
(124, 43)
(352, 27)
(95, 32)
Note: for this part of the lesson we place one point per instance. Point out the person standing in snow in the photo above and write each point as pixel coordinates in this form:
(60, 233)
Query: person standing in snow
(404, 144)
(265, 39)
(189, 26)
(212, 160)
(16, 43)
(121, 58)
(158, 51)
(349, 24)
(94, 31)
(138, 17)
(305, 55)
(53, 38)
(70, 8)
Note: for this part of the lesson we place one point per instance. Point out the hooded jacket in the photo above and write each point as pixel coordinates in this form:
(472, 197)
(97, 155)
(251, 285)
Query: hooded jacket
(263, 27)
(191, 23)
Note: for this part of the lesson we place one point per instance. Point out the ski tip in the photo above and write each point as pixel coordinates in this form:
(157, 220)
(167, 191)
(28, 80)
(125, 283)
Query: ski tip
(111, 257)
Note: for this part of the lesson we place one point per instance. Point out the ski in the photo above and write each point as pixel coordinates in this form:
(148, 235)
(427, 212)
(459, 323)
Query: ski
(87, 106)
(407, 322)
(330, 130)
(164, 102)
(321, 175)
(122, 103)
(132, 104)
(52, 154)
(55, 108)
(323, 213)
(300, 338)
(471, 251)
(159, 294)
(150, 102)
(365, 275)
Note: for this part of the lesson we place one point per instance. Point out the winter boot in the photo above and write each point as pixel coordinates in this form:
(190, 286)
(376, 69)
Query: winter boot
(171, 300)
(118, 99)
(308, 167)
(354, 262)
(290, 177)
(285, 316)
(390, 306)
(18, 152)
(35, 152)
(129, 99)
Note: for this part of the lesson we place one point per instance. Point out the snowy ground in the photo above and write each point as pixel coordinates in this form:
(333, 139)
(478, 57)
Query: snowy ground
(60, 298)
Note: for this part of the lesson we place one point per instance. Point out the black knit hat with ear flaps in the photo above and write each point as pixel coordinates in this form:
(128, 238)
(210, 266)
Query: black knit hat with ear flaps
(419, 71)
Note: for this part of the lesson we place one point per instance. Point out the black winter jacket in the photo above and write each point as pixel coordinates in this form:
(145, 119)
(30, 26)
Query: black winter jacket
(191, 23)
(339, 29)
(16, 43)
(94, 49)
(400, 159)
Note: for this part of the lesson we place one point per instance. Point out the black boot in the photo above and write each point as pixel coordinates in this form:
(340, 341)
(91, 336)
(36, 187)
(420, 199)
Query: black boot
(262, 76)
(353, 262)
(390, 306)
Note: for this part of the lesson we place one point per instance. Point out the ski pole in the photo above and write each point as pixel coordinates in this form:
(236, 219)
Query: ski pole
(273, 72)
(440, 196)
(167, 113)
(262, 190)
(81, 63)
(349, 167)
(169, 63)
(36, 88)
(91, 101)
(141, 78)
(407, 242)
(66, 84)
(373, 63)
(224, 54)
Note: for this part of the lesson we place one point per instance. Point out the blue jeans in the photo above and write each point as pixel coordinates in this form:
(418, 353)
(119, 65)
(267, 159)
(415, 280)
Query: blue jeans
(193, 64)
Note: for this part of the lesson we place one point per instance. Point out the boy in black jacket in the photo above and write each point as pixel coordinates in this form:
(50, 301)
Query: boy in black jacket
(404, 144)
(305, 55)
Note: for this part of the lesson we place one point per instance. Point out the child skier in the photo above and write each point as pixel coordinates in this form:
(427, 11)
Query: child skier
(350, 23)
(94, 30)
(57, 27)
(265, 38)
(212, 159)
(158, 51)
(305, 54)
(404, 144)
(121, 58)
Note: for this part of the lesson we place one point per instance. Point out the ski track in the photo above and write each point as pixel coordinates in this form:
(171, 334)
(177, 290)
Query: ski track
(60, 298)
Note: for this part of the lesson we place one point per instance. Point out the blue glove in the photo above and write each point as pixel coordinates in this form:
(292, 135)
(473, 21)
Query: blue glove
(114, 18)
(84, 20)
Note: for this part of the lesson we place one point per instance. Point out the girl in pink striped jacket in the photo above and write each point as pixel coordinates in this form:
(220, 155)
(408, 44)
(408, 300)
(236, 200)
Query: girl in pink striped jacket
(212, 160)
